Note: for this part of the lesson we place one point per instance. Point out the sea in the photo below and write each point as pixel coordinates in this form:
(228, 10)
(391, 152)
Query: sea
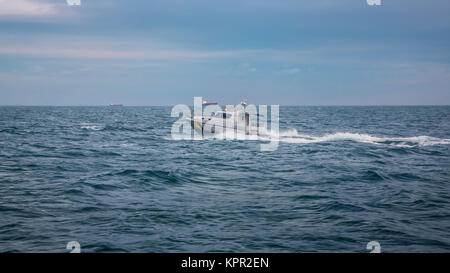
(112, 179)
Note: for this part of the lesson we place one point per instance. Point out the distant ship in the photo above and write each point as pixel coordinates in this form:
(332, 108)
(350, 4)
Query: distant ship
(115, 104)
(206, 103)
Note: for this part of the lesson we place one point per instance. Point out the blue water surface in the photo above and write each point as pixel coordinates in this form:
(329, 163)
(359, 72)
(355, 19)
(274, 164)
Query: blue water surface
(112, 179)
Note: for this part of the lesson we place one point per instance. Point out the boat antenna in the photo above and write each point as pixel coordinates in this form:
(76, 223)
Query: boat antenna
(244, 103)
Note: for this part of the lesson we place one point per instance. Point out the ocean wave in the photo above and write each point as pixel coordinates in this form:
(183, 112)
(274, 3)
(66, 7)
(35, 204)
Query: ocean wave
(292, 136)
(93, 127)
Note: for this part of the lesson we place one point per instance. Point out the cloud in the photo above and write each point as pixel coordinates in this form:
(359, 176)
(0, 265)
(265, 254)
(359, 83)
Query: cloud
(246, 67)
(98, 53)
(74, 2)
(102, 48)
(289, 71)
(26, 8)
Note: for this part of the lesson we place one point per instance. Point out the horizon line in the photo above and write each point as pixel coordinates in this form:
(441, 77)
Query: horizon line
(303, 105)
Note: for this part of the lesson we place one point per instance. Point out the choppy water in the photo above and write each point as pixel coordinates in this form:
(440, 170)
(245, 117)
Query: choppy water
(113, 180)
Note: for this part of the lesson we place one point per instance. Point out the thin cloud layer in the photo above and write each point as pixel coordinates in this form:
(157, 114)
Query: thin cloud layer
(290, 71)
(26, 8)
(74, 53)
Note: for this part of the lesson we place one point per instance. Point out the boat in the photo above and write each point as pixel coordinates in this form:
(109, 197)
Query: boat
(206, 103)
(114, 104)
(227, 121)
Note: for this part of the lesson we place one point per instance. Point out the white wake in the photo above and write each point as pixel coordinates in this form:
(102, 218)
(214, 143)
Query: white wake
(292, 136)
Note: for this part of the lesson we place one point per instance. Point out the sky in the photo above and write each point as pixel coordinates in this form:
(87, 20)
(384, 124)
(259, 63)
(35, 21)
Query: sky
(165, 52)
